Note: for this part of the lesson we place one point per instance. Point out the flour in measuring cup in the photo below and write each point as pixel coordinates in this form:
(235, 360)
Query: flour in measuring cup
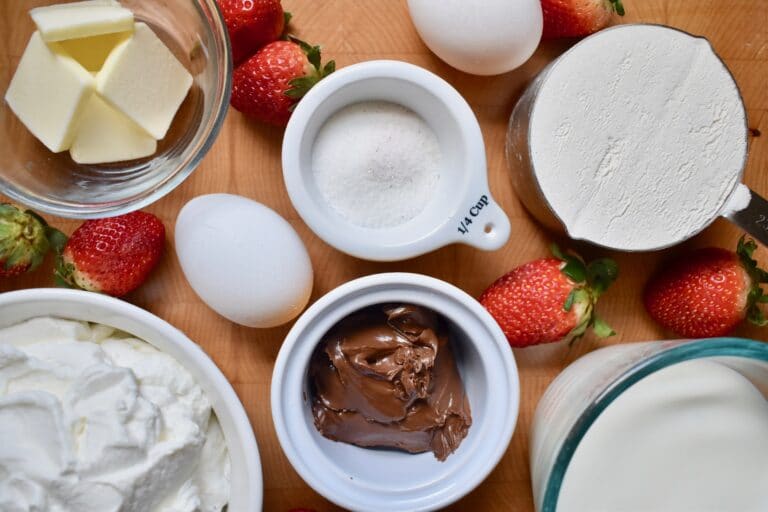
(638, 137)
(376, 164)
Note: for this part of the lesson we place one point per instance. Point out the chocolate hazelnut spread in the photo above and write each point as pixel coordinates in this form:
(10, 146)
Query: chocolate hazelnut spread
(386, 377)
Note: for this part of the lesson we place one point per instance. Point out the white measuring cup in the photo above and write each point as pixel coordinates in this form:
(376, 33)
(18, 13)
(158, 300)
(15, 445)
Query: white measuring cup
(739, 204)
(462, 210)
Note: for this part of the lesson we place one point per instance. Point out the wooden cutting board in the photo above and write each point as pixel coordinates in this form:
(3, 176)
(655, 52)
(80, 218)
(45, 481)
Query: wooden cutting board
(246, 160)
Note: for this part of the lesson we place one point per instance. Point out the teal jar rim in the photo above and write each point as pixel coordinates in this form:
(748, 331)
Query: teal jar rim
(714, 347)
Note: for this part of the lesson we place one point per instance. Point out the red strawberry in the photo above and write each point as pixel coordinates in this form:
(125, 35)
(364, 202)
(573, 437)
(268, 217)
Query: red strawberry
(576, 18)
(25, 239)
(112, 256)
(268, 85)
(550, 299)
(708, 292)
(252, 24)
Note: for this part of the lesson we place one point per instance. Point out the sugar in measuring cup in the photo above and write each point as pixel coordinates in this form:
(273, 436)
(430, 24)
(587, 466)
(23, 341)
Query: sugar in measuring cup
(385, 161)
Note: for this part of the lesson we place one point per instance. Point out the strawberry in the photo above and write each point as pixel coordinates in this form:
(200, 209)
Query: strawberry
(252, 24)
(576, 18)
(708, 292)
(112, 256)
(268, 85)
(25, 239)
(550, 299)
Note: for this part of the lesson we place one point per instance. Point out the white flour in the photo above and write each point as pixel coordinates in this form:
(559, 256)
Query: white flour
(377, 164)
(638, 136)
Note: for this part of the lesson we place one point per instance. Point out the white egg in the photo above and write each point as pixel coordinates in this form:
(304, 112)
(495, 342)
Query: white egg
(482, 37)
(244, 260)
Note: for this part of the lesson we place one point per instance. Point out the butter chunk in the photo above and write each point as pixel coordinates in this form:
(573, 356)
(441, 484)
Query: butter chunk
(105, 135)
(91, 52)
(143, 79)
(76, 20)
(48, 93)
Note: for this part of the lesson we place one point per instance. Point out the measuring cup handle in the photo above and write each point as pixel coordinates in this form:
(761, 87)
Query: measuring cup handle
(749, 211)
(482, 224)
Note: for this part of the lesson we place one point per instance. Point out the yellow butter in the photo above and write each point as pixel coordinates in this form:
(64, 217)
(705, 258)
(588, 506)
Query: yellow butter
(48, 93)
(143, 79)
(91, 52)
(75, 20)
(105, 135)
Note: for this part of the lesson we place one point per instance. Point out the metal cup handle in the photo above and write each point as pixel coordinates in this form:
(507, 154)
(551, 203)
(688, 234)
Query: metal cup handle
(749, 211)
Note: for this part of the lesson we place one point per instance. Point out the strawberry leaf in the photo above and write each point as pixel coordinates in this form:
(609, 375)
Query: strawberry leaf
(287, 18)
(569, 300)
(312, 52)
(574, 269)
(757, 317)
(62, 273)
(300, 86)
(601, 329)
(556, 252)
(37, 217)
(745, 249)
(617, 6)
(601, 274)
(56, 239)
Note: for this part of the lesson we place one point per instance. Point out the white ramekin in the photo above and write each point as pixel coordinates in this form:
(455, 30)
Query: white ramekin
(461, 210)
(247, 486)
(375, 480)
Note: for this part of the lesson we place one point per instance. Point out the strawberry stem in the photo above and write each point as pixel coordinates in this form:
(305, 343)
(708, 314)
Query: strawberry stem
(301, 85)
(591, 281)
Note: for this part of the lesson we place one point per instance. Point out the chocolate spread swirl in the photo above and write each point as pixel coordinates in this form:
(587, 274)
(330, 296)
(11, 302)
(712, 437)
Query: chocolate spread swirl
(386, 377)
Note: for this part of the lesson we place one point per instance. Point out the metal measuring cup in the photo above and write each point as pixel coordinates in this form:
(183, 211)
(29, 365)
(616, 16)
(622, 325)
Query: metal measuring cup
(743, 207)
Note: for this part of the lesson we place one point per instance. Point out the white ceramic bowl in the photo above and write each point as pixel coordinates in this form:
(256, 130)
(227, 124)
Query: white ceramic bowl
(374, 480)
(247, 487)
(462, 209)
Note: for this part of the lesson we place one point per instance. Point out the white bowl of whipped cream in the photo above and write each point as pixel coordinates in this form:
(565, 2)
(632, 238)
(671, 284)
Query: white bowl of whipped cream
(104, 406)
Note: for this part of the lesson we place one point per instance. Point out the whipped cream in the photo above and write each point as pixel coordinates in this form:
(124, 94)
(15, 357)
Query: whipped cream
(638, 137)
(94, 420)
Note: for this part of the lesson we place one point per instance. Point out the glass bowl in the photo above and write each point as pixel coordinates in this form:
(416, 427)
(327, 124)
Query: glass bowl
(580, 394)
(53, 183)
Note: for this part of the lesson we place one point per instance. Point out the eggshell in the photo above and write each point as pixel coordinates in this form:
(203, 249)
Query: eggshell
(482, 37)
(244, 260)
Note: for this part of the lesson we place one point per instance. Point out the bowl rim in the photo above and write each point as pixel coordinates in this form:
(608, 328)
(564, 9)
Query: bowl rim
(89, 301)
(290, 366)
(208, 10)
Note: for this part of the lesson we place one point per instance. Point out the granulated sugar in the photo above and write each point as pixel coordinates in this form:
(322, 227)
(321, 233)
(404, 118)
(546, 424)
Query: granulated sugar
(376, 163)
(638, 137)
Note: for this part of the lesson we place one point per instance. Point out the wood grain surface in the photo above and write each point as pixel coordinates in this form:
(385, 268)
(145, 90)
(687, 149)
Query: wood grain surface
(246, 160)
